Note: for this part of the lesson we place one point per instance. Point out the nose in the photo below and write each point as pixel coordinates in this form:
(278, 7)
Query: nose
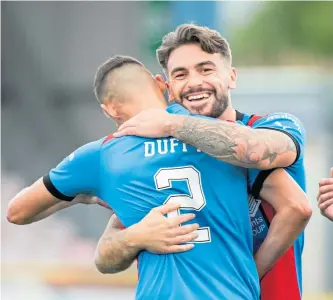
(194, 80)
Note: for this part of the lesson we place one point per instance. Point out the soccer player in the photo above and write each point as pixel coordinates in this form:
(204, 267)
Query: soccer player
(325, 197)
(133, 175)
(200, 76)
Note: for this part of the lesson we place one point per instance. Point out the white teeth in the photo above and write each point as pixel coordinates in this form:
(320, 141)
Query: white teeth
(196, 97)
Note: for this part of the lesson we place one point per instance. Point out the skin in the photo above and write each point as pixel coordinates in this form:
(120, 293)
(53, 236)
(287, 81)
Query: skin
(325, 196)
(35, 203)
(117, 249)
(192, 71)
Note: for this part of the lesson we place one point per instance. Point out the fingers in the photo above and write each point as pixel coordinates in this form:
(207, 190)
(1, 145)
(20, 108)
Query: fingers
(326, 181)
(127, 128)
(184, 234)
(130, 123)
(325, 197)
(186, 229)
(181, 243)
(325, 189)
(178, 248)
(125, 131)
(190, 237)
(167, 208)
(178, 220)
(123, 126)
(326, 204)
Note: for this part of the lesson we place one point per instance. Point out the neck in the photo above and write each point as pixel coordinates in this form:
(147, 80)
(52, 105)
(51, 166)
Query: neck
(148, 101)
(230, 113)
(143, 101)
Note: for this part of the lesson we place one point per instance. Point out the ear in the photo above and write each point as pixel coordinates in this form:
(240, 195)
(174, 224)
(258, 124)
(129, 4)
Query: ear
(105, 111)
(233, 78)
(109, 111)
(171, 96)
(161, 82)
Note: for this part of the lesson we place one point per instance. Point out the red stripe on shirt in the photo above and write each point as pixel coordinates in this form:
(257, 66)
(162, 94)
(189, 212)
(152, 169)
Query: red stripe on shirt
(108, 138)
(253, 119)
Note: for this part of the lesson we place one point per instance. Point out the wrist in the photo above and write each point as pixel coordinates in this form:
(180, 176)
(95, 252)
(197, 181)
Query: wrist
(133, 237)
(173, 123)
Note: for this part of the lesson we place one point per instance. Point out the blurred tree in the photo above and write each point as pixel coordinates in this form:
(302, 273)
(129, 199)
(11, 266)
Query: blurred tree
(157, 23)
(164, 16)
(286, 33)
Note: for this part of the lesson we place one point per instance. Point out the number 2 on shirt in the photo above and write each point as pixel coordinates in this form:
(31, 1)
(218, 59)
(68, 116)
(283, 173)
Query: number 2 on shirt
(194, 201)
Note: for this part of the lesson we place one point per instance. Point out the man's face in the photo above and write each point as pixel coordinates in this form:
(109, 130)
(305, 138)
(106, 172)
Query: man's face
(200, 81)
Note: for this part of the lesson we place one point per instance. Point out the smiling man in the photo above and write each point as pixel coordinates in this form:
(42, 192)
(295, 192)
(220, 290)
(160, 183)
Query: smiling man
(198, 64)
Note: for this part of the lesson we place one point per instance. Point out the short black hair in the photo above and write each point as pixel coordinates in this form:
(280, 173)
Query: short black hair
(110, 65)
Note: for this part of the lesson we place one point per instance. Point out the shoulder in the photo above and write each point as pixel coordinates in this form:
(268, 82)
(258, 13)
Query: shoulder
(280, 119)
(86, 151)
(277, 116)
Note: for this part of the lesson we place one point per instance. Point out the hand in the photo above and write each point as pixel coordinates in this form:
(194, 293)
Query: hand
(151, 123)
(161, 235)
(84, 199)
(325, 197)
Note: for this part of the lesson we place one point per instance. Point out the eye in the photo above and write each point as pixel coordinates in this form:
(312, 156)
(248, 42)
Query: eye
(207, 70)
(179, 76)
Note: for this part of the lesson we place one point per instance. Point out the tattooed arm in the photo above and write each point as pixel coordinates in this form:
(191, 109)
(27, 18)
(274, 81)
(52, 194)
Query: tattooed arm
(117, 249)
(234, 143)
(276, 141)
(109, 261)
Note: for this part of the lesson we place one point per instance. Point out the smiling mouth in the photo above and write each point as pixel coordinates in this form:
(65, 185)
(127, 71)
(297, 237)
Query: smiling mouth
(198, 97)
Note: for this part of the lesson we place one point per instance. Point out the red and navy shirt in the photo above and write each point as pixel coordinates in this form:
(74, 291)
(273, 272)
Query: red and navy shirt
(284, 280)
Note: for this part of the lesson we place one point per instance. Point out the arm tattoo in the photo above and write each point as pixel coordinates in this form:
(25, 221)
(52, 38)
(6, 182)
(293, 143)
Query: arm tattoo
(113, 254)
(235, 144)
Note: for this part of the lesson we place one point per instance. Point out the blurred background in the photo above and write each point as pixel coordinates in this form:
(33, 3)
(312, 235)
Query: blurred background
(50, 52)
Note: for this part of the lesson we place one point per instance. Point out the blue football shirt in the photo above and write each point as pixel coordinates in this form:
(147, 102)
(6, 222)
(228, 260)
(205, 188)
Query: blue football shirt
(134, 175)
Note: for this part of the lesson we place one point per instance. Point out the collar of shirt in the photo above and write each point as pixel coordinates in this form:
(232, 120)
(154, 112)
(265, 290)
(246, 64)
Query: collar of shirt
(177, 109)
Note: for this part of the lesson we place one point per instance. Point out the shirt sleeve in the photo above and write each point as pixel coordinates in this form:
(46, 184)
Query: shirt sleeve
(77, 174)
(288, 124)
